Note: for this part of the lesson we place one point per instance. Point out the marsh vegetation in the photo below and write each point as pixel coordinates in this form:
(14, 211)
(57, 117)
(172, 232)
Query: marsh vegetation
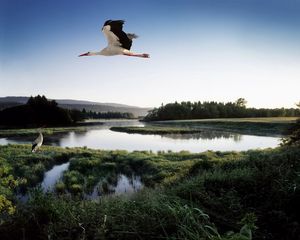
(253, 126)
(209, 195)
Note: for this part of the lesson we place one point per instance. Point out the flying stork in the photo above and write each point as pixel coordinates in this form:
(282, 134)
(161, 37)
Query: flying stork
(37, 142)
(119, 42)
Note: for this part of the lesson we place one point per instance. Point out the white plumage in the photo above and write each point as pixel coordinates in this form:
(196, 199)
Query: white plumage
(119, 42)
(37, 142)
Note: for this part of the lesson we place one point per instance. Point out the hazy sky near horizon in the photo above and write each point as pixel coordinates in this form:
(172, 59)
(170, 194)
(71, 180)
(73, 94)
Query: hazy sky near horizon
(201, 50)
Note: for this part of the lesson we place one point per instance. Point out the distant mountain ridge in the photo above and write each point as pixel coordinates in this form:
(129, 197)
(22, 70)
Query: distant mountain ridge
(11, 101)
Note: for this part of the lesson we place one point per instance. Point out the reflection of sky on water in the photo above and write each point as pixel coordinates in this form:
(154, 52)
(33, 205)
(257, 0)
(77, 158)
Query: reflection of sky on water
(125, 184)
(102, 138)
(128, 184)
(53, 175)
(206, 134)
(106, 139)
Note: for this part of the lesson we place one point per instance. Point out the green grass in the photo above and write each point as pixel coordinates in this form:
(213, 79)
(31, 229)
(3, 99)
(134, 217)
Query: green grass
(34, 131)
(254, 126)
(155, 130)
(210, 195)
(256, 120)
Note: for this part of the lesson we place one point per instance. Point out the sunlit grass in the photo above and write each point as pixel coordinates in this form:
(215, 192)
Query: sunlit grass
(34, 131)
(260, 119)
(155, 130)
(276, 126)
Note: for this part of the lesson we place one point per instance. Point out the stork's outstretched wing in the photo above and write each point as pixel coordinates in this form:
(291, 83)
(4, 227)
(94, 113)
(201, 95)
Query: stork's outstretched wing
(114, 34)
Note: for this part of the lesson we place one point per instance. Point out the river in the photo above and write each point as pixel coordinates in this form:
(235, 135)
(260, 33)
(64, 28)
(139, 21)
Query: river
(102, 138)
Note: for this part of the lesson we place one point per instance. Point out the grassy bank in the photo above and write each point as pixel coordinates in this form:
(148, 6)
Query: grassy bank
(256, 120)
(33, 131)
(155, 130)
(21, 132)
(190, 196)
(255, 126)
(32, 166)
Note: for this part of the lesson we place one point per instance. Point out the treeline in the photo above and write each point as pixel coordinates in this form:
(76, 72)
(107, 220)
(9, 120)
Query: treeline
(106, 115)
(39, 111)
(205, 110)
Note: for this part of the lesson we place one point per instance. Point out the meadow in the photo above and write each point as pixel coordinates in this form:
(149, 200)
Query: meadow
(273, 126)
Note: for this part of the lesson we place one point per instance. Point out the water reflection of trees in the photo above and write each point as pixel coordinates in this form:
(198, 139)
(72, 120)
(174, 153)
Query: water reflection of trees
(206, 135)
(122, 123)
(115, 184)
(53, 139)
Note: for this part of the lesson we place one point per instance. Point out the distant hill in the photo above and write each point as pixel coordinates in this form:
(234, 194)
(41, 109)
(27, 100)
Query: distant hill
(39, 111)
(6, 102)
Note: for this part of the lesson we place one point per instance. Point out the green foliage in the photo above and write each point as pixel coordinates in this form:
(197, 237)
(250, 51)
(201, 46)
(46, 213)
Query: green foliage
(247, 195)
(60, 187)
(198, 110)
(31, 167)
(294, 137)
(7, 184)
(241, 102)
(37, 112)
(107, 115)
(76, 115)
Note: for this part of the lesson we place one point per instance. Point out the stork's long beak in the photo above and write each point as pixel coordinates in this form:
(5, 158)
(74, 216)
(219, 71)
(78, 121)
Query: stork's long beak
(84, 54)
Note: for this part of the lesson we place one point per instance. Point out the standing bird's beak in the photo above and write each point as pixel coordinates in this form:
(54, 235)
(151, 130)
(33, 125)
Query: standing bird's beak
(84, 54)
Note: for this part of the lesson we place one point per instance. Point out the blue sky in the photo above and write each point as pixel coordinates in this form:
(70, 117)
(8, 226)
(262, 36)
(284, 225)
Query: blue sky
(207, 50)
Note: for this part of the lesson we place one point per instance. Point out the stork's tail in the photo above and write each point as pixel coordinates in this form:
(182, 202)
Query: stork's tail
(132, 36)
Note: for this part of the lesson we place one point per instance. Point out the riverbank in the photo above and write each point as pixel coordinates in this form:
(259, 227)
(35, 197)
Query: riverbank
(193, 196)
(253, 126)
(33, 131)
(20, 132)
(155, 130)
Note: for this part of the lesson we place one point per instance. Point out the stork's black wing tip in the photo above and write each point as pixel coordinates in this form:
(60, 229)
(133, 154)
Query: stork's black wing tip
(109, 22)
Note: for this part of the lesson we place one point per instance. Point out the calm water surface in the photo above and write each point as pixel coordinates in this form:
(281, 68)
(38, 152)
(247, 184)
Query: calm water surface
(103, 138)
(53, 175)
(124, 185)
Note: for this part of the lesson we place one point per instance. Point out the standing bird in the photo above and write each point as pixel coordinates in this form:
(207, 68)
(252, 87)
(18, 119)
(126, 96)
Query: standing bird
(119, 42)
(37, 142)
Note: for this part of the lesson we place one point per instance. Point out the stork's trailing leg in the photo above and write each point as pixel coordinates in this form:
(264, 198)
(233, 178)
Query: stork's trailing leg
(142, 55)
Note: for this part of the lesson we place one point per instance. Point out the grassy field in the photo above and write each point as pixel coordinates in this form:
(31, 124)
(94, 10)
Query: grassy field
(255, 120)
(210, 195)
(255, 126)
